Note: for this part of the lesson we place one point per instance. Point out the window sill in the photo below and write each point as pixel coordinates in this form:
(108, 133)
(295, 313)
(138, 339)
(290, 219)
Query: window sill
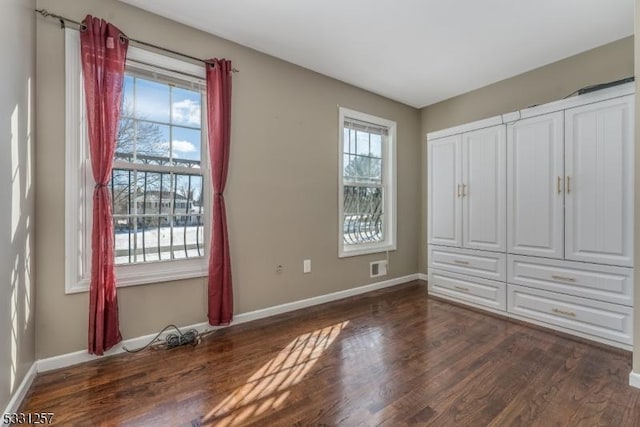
(148, 274)
(365, 250)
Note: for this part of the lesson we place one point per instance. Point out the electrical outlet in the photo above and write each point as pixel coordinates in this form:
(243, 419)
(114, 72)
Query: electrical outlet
(279, 268)
(306, 266)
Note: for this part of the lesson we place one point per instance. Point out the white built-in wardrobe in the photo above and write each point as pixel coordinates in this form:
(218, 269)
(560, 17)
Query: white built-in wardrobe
(530, 215)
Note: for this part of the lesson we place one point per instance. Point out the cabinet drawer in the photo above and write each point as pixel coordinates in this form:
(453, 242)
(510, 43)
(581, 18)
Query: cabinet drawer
(461, 287)
(599, 282)
(609, 321)
(489, 265)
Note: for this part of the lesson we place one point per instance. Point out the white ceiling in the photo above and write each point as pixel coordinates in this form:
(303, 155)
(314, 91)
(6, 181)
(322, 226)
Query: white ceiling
(414, 51)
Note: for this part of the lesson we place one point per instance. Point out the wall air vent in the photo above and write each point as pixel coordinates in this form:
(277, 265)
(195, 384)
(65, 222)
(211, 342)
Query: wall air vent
(378, 268)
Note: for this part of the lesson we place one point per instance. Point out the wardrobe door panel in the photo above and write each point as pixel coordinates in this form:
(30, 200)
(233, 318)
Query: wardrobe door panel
(535, 186)
(599, 148)
(444, 193)
(484, 189)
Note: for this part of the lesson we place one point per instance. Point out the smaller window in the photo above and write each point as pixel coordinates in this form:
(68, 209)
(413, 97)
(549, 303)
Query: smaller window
(367, 199)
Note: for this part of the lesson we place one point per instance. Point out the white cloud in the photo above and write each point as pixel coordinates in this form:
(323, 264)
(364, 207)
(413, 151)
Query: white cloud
(186, 111)
(183, 146)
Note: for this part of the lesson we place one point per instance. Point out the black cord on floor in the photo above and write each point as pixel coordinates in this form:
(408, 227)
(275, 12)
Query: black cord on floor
(172, 340)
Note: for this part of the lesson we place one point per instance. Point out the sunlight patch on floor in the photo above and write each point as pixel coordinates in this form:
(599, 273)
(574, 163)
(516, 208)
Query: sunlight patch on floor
(267, 388)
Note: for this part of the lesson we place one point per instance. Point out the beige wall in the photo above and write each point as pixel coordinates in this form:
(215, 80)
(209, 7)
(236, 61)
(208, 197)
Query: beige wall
(17, 334)
(545, 84)
(281, 194)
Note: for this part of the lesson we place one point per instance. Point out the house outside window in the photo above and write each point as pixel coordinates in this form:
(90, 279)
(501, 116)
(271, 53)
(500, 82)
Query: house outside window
(367, 175)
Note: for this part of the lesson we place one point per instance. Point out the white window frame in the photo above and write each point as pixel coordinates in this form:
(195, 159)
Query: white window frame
(79, 181)
(389, 178)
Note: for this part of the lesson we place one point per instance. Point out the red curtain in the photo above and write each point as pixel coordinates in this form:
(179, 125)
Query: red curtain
(219, 133)
(104, 50)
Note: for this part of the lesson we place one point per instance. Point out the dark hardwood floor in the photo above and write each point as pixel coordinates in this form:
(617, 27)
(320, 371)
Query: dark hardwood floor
(393, 357)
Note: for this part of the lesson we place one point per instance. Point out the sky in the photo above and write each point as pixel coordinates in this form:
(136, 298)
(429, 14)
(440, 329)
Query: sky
(176, 110)
(362, 153)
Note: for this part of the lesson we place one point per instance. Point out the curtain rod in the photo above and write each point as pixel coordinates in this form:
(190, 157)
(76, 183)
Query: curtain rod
(64, 21)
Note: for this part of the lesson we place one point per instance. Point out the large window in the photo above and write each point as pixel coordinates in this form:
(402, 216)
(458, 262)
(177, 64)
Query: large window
(159, 183)
(367, 184)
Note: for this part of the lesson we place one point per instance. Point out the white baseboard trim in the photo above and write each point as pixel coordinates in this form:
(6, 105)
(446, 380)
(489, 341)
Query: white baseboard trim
(634, 379)
(309, 302)
(423, 276)
(70, 359)
(21, 392)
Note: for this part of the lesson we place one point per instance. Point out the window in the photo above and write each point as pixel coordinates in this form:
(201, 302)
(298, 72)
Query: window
(159, 183)
(156, 183)
(366, 197)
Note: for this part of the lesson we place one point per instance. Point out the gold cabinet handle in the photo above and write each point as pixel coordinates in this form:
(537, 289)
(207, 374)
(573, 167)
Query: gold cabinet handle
(457, 261)
(563, 312)
(566, 279)
(459, 190)
(460, 288)
(568, 184)
(464, 193)
(559, 185)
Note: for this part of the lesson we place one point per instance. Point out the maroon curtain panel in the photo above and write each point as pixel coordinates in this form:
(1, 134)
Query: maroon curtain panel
(219, 135)
(103, 49)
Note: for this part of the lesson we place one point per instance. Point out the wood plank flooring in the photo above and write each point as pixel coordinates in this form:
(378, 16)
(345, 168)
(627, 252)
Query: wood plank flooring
(394, 357)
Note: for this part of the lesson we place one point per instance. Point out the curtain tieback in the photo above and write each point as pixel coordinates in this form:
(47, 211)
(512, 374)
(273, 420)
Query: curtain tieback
(218, 194)
(99, 186)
